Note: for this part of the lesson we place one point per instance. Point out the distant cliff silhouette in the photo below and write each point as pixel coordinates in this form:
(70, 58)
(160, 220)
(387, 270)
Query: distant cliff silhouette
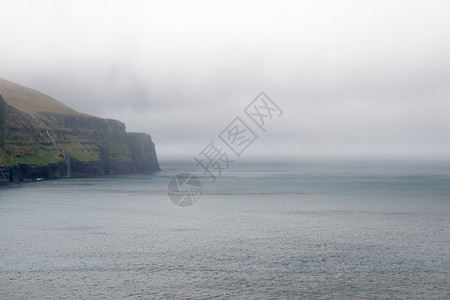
(42, 138)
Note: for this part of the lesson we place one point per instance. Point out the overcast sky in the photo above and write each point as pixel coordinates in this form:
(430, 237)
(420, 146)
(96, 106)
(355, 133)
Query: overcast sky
(352, 77)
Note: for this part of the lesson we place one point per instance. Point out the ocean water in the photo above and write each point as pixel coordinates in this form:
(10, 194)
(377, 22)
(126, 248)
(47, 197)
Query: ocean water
(313, 229)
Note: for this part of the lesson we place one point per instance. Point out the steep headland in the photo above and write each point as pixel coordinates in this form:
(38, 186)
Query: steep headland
(41, 137)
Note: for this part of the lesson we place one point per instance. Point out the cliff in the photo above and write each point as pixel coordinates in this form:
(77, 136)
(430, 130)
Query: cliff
(42, 138)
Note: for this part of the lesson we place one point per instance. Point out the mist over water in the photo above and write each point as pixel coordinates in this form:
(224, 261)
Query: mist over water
(358, 77)
(346, 194)
(314, 229)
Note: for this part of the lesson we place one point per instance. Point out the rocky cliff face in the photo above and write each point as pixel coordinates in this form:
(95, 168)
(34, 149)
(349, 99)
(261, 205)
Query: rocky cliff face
(42, 144)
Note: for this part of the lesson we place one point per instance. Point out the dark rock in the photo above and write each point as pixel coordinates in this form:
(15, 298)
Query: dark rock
(55, 145)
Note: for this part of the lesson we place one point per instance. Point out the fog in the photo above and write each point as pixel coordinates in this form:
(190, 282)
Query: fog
(353, 78)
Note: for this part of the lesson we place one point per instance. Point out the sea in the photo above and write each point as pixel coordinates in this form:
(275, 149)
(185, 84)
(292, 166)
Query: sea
(298, 229)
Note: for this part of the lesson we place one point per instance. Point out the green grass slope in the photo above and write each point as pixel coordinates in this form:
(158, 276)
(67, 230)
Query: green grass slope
(39, 132)
(29, 100)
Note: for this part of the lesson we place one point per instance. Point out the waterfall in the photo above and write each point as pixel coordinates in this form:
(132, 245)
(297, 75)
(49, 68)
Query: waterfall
(61, 150)
(67, 159)
(65, 156)
(52, 139)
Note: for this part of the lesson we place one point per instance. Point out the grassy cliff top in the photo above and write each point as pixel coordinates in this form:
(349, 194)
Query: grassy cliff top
(31, 101)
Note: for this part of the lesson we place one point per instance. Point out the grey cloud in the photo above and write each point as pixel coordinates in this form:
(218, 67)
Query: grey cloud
(348, 74)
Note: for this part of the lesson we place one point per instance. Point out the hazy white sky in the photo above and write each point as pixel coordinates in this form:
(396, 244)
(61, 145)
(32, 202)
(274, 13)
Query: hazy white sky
(352, 77)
